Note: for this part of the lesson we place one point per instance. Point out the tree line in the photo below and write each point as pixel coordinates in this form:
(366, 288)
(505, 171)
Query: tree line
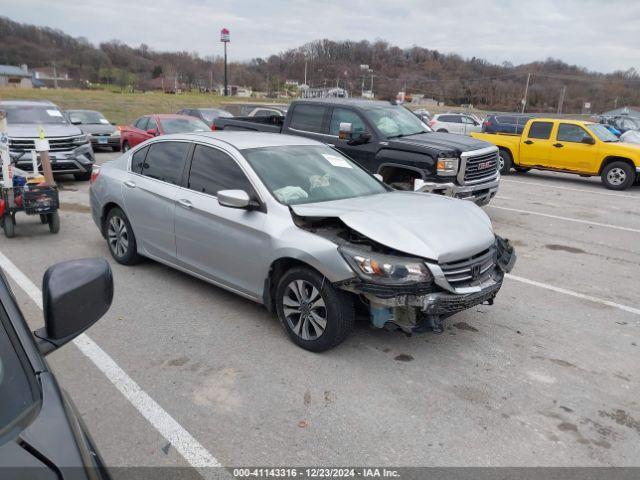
(447, 78)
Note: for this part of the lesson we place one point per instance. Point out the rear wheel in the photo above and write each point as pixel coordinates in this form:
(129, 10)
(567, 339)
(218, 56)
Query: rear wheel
(120, 238)
(54, 222)
(506, 162)
(9, 226)
(618, 176)
(125, 146)
(315, 314)
(443, 130)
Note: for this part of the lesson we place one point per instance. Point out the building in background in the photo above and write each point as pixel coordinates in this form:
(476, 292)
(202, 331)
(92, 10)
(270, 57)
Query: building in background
(12, 76)
(51, 77)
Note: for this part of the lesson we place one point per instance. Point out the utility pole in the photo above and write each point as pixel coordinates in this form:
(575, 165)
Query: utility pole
(561, 101)
(305, 70)
(55, 75)
(211, 81)
(526, 92)
(225, 37)
(372, 75)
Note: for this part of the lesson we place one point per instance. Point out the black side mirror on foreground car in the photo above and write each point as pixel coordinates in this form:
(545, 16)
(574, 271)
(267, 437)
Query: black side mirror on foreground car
(75, 294)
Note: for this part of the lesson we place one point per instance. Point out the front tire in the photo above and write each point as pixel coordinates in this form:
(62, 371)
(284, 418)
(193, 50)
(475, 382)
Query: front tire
(9, 226)
(618, 176)
(315, 314)
(506, 162)
(120, 238)
(54, 222)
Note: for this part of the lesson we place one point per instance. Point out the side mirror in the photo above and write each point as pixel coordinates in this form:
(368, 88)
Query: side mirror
(234, 198)
(346, 131)
(152, 131)
(588, 140)
(75, 294)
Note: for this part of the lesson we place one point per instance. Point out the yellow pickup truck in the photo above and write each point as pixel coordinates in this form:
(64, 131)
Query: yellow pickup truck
(571, 146)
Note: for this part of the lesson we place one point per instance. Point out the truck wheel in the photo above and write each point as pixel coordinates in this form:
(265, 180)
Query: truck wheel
(315, 314)
(505, 162)
(120, 238)
(54, 222)
(82, 177)
(618, 176)
(9, 226)
(443, 130)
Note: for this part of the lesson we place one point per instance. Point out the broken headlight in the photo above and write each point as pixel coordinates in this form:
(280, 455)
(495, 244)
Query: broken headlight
(387, 269)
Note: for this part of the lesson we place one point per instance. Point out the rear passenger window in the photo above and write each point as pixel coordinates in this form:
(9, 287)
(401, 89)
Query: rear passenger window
(541, 130)
(213, 170)
(308, 118)
(165, 161)
(137, 160)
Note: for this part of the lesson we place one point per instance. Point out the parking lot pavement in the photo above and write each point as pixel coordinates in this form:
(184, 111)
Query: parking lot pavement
(540, 378)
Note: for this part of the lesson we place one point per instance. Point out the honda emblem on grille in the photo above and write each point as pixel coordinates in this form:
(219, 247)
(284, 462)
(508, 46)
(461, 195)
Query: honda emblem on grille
(475, 271)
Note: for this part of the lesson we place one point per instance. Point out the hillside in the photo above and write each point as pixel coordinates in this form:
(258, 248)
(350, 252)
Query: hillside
(445, 77)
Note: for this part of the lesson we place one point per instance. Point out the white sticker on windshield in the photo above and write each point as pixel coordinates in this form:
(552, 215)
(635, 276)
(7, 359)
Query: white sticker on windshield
(336, 161)
(105, 121)
(54, 113)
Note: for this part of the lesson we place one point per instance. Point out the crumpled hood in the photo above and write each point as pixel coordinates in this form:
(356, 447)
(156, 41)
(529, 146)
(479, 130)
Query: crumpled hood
(430, 226)
(32, 130)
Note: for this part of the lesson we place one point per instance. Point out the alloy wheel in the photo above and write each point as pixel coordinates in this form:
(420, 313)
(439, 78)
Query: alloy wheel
(118, 236)
(616, 176)
(304, 309)
(500, 162)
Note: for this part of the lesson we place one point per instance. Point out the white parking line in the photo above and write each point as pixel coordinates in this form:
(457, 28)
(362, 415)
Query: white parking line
(585, 190)
(568, 219)
(571, 293)
(192, 451)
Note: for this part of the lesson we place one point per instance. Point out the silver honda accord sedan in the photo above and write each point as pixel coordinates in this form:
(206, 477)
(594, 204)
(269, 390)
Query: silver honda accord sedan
(295, 225)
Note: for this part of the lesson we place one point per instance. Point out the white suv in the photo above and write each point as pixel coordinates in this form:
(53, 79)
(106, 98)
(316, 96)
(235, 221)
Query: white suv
(455, 123)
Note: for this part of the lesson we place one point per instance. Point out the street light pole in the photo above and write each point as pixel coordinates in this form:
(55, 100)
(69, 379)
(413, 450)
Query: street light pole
(225, 37)
(526, 92)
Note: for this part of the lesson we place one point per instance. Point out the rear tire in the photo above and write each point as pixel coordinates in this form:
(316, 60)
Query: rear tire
(8, 226)
(125, 146)
(618, 176)
(120, 238)
(506, 162)
(442, 130)
(315, 314)
(54, 222)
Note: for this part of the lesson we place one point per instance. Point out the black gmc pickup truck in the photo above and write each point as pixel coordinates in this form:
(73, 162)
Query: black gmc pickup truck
(389, 140)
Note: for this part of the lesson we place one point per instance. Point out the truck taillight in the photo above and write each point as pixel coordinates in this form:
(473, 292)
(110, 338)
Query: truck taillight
(95, 173)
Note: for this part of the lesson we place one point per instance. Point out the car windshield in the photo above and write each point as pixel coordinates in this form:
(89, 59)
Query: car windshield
(297, 174)
(602, 133)
(395, 121)
(88, 117)
(33, 114)
(17, 380)
(210, 114)
(183, 125)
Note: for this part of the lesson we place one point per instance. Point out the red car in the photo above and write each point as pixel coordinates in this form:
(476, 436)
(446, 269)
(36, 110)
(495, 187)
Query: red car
(150, 126)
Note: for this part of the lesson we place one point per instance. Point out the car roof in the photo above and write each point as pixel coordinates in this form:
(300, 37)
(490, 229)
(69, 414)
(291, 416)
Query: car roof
(243, 140)
(81, 110)
(27, 103)
(563, 120)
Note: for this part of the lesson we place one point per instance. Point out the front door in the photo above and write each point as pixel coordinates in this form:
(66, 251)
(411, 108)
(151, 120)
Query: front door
(149, 196)
(361, 153)
(221, 243)
(535, 148)
(570, 152)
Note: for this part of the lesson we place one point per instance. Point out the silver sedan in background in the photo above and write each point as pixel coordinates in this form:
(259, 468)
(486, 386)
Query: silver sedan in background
(295, 225)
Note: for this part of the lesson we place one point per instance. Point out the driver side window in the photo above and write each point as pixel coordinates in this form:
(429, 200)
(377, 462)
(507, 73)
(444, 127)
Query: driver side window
(571, 133)
(213, 170)
(343, 115)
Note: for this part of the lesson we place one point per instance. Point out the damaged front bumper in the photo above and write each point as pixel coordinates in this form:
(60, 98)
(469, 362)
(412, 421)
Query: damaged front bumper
(421, 307)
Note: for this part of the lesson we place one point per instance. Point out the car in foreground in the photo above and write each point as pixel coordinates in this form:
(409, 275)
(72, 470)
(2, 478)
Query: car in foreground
(41, 433)
(570, 146)
(389, 140)
(150, 126)
(508, 124)
(70, 149)
(101, 131)
(295, 225)
(207, 115)
(455, 123)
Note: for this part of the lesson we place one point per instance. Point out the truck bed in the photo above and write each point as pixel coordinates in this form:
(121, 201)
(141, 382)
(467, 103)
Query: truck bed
(272, 124)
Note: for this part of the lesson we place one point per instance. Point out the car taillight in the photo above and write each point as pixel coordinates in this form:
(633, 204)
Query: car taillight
(95, 173)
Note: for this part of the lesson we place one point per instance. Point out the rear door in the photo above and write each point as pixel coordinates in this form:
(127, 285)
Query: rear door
(149, 196)
(308, 120)
(535, 147)
(570, 153)
(220, 243)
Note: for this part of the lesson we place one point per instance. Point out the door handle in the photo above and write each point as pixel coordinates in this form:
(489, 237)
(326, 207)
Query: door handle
(558, 145)
(528, 142)
(185, 203)
(130, 184)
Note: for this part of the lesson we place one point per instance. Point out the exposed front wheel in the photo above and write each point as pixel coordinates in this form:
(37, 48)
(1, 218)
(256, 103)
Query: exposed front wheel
(120, 238)
(618, 176)
(316, 315)
(505, 162)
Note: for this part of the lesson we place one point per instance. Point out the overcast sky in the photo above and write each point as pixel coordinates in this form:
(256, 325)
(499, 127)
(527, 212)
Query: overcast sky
(602, 35)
